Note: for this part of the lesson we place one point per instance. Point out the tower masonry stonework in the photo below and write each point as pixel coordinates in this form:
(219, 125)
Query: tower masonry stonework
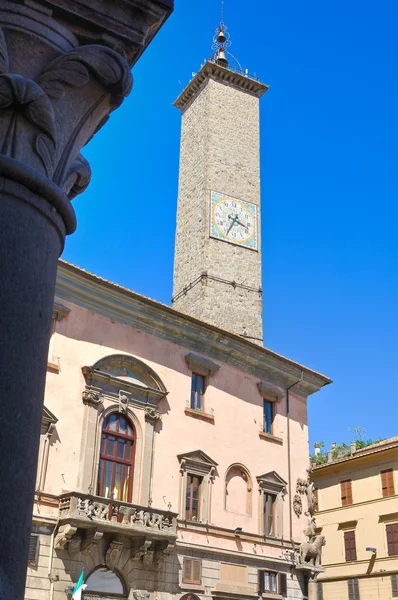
(217, 269)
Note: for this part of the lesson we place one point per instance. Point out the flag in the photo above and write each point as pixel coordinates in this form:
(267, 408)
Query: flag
(79, 587)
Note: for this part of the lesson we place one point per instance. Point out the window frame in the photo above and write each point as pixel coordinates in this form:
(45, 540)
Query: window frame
(346, 492)
(198, 402)
(280, 580)
(394, 533)
(268, 422)
(114, 460)
(387, 483)
(191, 580)
(350, 547)
(272, 484)
(394, 585)
(189, 490)
(197, 463)
(266, 516)
(353, 593)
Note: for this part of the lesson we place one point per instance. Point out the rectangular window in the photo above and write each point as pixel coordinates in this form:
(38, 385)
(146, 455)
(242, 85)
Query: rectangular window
(353, 589)
(198, 383)
(394, 585)
(34, 543)
(268, 416)
(350, 546)
(392, 539)
(269, 578)
(192, 499)
(387, 483)
(346, 492)
(269, 514)
(192, 571)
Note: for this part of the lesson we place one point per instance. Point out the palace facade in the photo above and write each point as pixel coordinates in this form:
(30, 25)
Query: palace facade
(172, 440)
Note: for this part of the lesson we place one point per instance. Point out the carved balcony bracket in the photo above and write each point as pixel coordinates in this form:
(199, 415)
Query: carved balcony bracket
(113, 554)
(64, 536)
(91, 538)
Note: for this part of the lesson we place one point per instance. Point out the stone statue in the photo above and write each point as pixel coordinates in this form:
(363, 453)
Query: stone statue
(310, 552)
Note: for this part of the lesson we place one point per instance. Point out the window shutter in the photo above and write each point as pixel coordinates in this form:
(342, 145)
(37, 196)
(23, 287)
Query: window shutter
(261, 588)
(197, 571)
(186, 570)
(350, 546)
(387, 483)
(356, 589)
(392, 539)
(283, 584)
(394, 585)
(33, 549)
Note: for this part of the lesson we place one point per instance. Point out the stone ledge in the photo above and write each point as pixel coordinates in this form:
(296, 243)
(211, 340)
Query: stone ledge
(198, 414)
(52, 367)
(270, 437)
(192, 586)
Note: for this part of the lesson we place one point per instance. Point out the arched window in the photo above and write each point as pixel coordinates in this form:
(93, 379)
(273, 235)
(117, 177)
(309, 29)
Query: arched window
(189, 597)
(238, 490)
(103, 582)
(116, 465)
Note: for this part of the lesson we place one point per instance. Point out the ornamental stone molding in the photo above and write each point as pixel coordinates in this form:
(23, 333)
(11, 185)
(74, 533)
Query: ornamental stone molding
(202, 365)
(151, 414)
(270, 392)
(92, 396)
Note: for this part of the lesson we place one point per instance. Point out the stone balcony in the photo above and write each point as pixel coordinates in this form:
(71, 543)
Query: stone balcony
(86, 520)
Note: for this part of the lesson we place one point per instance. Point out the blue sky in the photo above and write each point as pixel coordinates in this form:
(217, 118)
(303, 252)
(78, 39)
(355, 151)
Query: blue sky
(329, 157)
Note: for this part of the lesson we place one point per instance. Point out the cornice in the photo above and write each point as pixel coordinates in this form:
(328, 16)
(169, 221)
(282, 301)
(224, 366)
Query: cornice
(122, 305)
(219, 73)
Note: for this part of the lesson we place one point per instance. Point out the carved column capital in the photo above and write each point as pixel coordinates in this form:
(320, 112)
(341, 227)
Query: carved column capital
(92, 396)
(152, 414)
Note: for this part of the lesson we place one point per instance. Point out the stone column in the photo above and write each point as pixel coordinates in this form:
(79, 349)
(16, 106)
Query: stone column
(64, 66)
(312, 589)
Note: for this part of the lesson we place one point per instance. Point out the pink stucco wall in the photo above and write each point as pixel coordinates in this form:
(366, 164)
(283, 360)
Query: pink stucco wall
(232, 396)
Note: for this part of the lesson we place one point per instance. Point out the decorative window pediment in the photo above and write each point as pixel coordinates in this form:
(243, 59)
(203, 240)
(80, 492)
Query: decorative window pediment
(47, 419)
(270, 392)
(201, 365)
(197, 461)
(272, 482)
(119, 373)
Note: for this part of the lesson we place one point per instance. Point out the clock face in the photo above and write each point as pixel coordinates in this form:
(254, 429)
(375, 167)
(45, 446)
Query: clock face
(233, 220)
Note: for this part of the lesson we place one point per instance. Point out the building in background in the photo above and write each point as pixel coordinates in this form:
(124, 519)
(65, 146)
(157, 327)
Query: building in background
(358, 514)
(172, 441)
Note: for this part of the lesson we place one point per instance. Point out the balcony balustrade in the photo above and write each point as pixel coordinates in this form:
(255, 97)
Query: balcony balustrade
(86, 520)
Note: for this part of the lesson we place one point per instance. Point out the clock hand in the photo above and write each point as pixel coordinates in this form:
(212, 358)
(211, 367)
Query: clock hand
(232, 224)
(240, 223)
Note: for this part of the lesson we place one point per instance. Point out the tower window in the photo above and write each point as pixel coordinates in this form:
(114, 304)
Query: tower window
(115, 474)
(198, 384)
(268, 416)
(192, 498)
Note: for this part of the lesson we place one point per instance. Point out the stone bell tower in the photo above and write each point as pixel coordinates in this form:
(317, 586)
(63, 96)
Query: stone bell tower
(217, 265)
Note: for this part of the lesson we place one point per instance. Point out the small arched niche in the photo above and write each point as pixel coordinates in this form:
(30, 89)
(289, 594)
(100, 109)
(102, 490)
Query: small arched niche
(238, 490)
(104, 583)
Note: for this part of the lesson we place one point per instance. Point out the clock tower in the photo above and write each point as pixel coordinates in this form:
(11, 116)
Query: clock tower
(217, 265)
